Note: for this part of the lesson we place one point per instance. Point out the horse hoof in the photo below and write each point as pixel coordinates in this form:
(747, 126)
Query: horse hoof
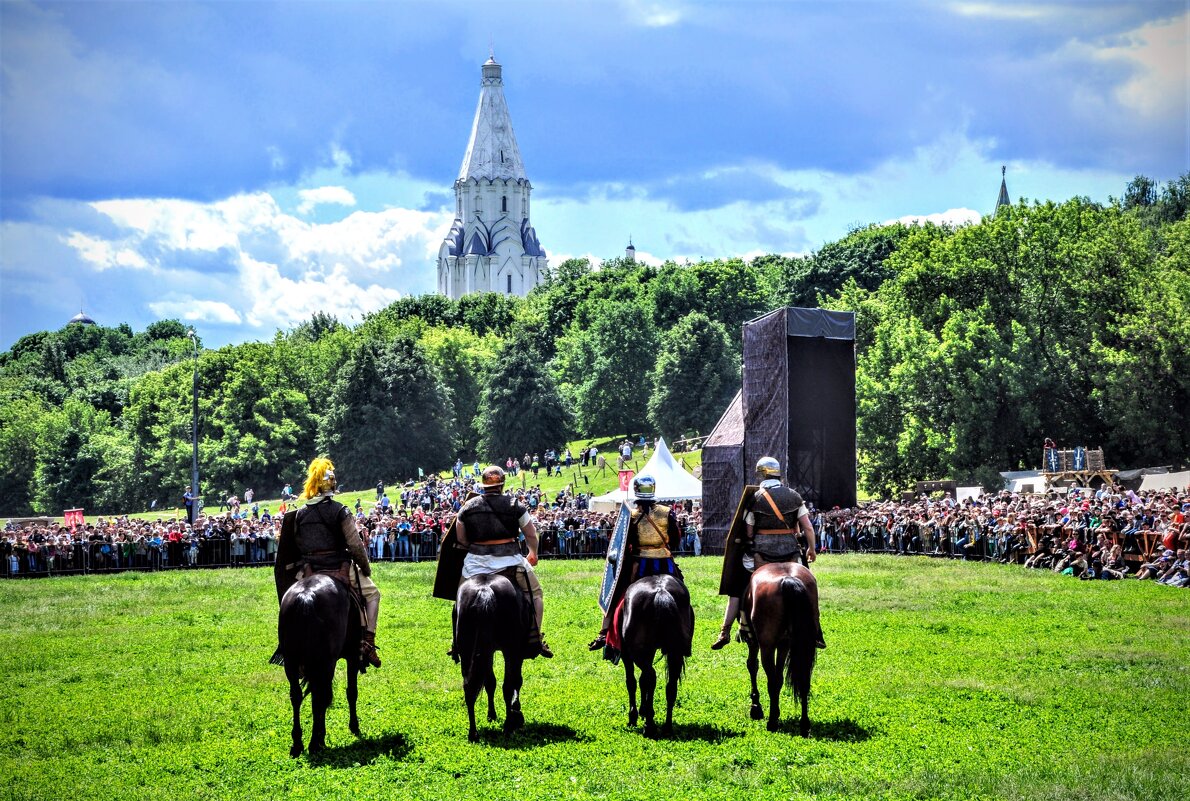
(667, 730)
(355, 729)
(773, 725)
(632, 718)
(295, 750)
(473, 736)
(315, 748)
(651, 731)
(805, 728)
(756, 713)
(515, 721)
(492, 716)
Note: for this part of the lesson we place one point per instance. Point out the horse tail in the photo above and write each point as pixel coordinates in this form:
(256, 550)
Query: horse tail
(293, 627)
(477, 621)
(799, 624)
(675, 627)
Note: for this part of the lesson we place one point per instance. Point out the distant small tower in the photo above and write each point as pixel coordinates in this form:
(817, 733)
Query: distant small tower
(82, 319)
(1003, 199)
(630, 252)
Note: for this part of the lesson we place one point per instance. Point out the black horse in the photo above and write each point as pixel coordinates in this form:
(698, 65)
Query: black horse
(782, 603)
(317, 627)
(656, 617)
(491, 616)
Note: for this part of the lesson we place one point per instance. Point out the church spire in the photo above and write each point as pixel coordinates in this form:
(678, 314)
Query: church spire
(492, 151)
(1003, 199)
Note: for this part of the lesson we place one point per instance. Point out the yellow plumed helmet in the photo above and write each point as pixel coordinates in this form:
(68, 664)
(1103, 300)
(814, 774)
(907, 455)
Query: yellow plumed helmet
(320, 477)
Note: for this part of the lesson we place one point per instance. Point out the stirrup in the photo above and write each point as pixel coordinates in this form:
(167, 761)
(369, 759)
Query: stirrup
(598, 642)
(724, 639)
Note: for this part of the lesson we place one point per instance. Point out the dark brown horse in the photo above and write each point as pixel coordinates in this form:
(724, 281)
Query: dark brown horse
(656, 617)
(782, 603)
(317, 627)
(492, 616)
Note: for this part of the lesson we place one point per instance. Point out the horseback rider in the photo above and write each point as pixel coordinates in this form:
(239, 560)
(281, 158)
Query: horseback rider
(770, 537)
(321, 537)
(487, 526)
(653, 533)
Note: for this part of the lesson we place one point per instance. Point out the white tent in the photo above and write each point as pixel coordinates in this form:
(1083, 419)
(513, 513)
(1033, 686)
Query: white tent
(673, 482)
(1160, 481)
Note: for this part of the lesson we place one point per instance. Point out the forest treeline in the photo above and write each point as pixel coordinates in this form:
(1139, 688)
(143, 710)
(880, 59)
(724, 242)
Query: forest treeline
(1062, 320)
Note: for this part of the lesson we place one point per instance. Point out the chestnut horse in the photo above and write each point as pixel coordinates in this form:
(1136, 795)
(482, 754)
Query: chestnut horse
(782, 603)
(491, 616)
(318, 626)
(656, 617)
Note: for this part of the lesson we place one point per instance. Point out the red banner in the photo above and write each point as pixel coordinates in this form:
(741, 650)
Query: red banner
(626, 479)
(74, 517)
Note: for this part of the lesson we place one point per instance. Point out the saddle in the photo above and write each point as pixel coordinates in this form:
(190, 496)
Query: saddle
(342, 574)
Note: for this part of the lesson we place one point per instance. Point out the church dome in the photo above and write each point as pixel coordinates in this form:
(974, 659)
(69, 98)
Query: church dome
(81, 319)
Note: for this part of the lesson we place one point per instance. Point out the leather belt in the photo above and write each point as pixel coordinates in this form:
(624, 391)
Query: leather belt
(495, 542)
(777, 531)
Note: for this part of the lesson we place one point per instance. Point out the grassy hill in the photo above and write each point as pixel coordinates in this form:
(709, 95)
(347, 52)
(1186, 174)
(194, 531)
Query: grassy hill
(943, 680)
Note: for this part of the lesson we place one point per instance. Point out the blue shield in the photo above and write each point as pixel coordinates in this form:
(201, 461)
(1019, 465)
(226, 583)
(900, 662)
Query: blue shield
(616, 557)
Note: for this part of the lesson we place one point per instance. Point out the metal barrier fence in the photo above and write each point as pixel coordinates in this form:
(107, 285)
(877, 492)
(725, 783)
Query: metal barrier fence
(103, 557)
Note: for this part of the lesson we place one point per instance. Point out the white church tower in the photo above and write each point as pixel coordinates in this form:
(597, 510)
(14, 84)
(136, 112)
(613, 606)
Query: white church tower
(491, 246)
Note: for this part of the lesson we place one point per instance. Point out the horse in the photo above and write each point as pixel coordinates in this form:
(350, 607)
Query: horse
(782, 602)
(491, 616)
(656, 616)
(317, 627)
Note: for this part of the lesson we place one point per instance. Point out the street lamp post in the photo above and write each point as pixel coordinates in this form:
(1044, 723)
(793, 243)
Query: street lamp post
(194, 432)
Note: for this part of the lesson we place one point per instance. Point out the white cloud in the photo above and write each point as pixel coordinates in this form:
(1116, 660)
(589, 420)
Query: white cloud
(1002, 10)
(197, 311)
(102, 254)
(653, 15)
(244, 261)
(1159, 51)
(952, 217)
(324, 195)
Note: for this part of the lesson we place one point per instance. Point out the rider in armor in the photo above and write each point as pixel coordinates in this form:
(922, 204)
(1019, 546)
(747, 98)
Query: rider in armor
(321, 537)
(778, 530)
(488, 526)
(652, 534)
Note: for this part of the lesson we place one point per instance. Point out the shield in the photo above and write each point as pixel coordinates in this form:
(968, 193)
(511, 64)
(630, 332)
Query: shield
(735, 578)
(616, 557)
(450, 563)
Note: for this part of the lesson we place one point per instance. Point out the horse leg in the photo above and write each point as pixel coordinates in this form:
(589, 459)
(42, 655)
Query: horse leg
(774, 660)
(489, 686)
(514, 718)
(648, 686)
(673, 671)
(630, 684)
(476, 668)
(756, 712)
(353, 694)
(805, 721)
(319, 702)
(295, 700)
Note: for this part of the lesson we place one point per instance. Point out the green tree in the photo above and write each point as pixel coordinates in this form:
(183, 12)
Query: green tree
(521, 409)
(388, 414)
(695, 377)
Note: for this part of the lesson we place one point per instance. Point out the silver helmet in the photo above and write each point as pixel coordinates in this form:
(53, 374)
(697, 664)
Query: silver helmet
(644, 487)
(768, 467)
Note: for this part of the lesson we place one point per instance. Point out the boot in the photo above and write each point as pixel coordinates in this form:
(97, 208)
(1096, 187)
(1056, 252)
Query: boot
(820, 643)
(724, 639)
(545, 650)
(367, 649)
(598, 642)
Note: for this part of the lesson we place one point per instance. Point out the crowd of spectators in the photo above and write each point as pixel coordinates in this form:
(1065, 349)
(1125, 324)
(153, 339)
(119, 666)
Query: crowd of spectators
(1083, 533)
(1106, 534)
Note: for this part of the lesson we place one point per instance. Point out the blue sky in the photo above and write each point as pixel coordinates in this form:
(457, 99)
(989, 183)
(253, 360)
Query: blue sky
(242, 165)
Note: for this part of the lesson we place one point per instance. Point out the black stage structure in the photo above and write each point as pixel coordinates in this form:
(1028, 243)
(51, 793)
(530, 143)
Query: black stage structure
(797, 404)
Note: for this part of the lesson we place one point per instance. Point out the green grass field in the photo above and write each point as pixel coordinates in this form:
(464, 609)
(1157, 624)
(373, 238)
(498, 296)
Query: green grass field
(942, 680)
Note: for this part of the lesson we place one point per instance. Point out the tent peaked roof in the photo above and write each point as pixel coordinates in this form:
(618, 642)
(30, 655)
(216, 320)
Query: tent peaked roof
(673, 481)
